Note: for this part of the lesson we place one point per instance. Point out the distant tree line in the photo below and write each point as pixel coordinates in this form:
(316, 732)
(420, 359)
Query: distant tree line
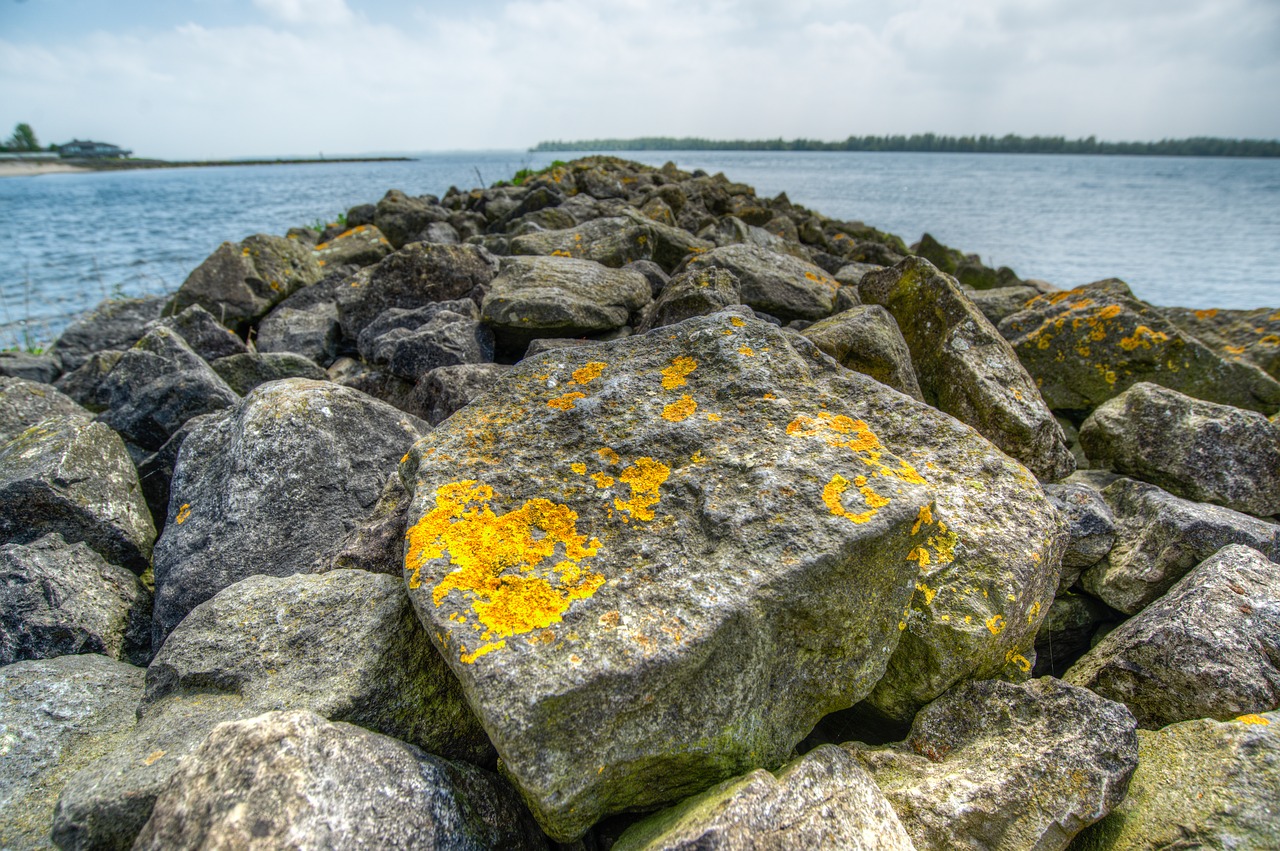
(22, 141)
(1200, 146)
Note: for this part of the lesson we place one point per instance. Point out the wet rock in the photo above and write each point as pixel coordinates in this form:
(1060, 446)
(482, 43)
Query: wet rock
(402, 219)
(24, 403)
(1252, 336)
(245, 372)
(113, 324)
(866, 339)
(411, 343)
(1199, 784)
(1002, 302)
(202, 333)
(294, 779)
(59, 599)
(43, 369)
(57, 716)
(362, 245)
(1194, 449)
(75, 478)
(447, 389)
(1209, 648)
(1160, 538)
(1090, 344)
(784, 286)
(157, 386)
(1068, 631)
(825, 799)
(997, 765)
(966, 369)
(271, 487)
(84, 384)
(694, 293)
(1091, 528)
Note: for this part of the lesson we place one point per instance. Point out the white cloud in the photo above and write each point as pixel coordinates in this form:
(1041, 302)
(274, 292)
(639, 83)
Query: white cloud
(324, 12)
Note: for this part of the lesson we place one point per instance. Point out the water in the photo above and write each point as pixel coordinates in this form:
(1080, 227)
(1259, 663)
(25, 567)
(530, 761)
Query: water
(1180, 231)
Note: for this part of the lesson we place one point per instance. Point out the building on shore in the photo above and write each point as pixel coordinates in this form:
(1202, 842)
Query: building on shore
(91, 150)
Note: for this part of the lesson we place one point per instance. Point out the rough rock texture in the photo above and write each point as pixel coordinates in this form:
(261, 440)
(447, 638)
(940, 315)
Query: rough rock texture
(362, 245)
(58, 599)
(411, 343)
(378, 383)
(402, 219)
(614, 242)
(705, 495)
(25, 403)
(113, 324)
(42, 369)
(447, 389)
(994, 765)
(158, 385)
(75, 478)
(1199, 784)
(1210, 648)
(1002, 302)
(345, 644)
(1194, 449)
(866, 339)
(203, 334)
(1090, 344)
(295, 780)
(271, 487)
(239, 282)
(245, 372)
(311, 332)
(968, 269)
(778, 284)
(1091, 528)
(1249, 335)
(84, 384)
(966, 369)
(695, 293)
(825, 799)
(56, 716)
(1160, 538)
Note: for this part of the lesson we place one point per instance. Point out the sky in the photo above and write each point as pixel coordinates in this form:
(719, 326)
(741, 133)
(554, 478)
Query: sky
(238, 78)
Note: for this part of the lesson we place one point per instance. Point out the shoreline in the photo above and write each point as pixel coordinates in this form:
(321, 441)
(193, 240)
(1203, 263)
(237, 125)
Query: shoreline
(19, 168)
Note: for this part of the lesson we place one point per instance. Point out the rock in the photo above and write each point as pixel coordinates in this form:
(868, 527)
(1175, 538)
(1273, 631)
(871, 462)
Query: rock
(866, 339)
(58, 600)
(559, 297)
(1090, 344)
(1209, 648)
(1194, 449)
(824, 799)
(202, 333)
(1091, 528)
(378, 383)
(968, 269)
(784, 286)
(1160, 538)
(448, 389)
(155, 472)
(1068, 631)
(245, 372)
(362, 245)
(994, 765)
(707, 493)
(546, 344)
(849, 275)
(1002, 302)
(695, 293)
(1199, 784)
(42, 369)
(271, 487)
(412, 277)
(240, 282)
(657, 277)
(441, 233)
(75, 478)
(411, 343)
(113, 324)
(344, 644)
(1248, 335)
(24, 403)
(56, 716)
(312, 332)
(84, 384)
(157, 386)
(361, 214)
(292, 779)
(615, 242)
(377, 544)
(402, 219)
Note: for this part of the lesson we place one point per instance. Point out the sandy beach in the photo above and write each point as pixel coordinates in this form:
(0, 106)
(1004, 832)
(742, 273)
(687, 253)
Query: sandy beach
(30, 169)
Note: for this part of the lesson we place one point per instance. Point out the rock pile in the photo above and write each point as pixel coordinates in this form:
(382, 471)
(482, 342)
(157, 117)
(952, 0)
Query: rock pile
(625, 508)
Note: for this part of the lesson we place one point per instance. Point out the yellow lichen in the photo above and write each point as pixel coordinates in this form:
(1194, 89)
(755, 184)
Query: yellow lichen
(1270, 340)
(746, 350)
(713, 418)
(927, 592)
(674, 376)
(842, 431)
(995, 623)
(1144, 337)
(680, 410)
(834, 491)
(589, 373)
(737, 321)
(1034, 613)
(1111, 311)
(1205, 314)
(565, 402)
(602, 481)
(183, 513)
(1015, 658)
(925, 516)
(579, 468)
(609, 456)
(920, 556)
(645, 477)
(1253, 718)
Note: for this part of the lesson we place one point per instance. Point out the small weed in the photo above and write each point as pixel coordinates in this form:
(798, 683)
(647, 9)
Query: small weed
(319, 225)
(526, 173)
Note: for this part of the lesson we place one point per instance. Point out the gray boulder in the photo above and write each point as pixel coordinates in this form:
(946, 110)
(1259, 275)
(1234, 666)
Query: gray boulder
(75, 478)
(614, 242)
(203, 334)
(43, 369)
(246, 371)
(59, 599)
(1249, 335)
(866, 339)
(84, 384)
(113, 324)
(1002, 302)
(24, 403)
(1068, 632)
(1210, 648)
(362, 245)
(1091, 528)
(779, 284)
(695, 293)
(311, 332)
(402, 219)
(1191, 448)
(378, 383)
(411, 343)
(448, 389)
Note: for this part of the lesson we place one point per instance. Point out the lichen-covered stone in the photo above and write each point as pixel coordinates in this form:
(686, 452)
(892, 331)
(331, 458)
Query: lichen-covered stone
(24, 403)
(311, 332)
(1209, 648)
(75, 477)
(246, 371)
(59, 599)
(1248, 335)
(615, 242)
(966, 368)
(1194, 449)
(968, 269)
(636, 556)
(1199, 784)
(1002, 302)
(56, 716)
(994, 765)
(1090, 524)
(271, 487)
(778, 284)
(293, 779)
(1160, 538)
(362, 245)
(447, 389)
(206, 337)
(113, 324)
(689, 294)
(825, 799)
(1090, 344)
(402, 219)
(866, 339)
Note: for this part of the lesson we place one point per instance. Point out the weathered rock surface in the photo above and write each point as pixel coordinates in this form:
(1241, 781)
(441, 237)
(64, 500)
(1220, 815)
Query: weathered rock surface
(113, 324)
(615, 242)
(42, 369)
(968, 269)
(402, 219)
(704, 494)
(246, 371)
(1160, 538)
(311, 332)
(24, 403)
(447, 389)
(1249, 335)
(778, 284)
(1088, 345)
(1002, 302)
(994, 765)
(84, 384)
(866, 339)
(966, 369)
(1199, 784)
(1191, 448)
(74, 477)
(378, 383)
(56, 716)
(825, 799)
(362, 245)
(688, 294)
(59, 599)
(155, 472)
(1091, 528)
(202, 333)
(1210, 648)
(411, 343)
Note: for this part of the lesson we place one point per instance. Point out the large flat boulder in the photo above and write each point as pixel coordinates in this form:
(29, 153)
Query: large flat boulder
(1249, 335)
(778, 284)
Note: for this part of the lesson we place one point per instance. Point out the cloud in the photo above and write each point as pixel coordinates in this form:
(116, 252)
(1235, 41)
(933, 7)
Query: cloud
(324, 12)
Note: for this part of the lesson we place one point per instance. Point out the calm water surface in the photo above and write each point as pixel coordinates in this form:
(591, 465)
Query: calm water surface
(1180, 231)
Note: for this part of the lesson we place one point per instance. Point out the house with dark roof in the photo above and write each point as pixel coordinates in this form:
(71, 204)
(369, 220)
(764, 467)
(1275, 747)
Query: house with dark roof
(86, 149)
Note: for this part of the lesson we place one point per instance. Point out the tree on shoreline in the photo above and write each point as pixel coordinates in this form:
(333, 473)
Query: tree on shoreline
(22, 140)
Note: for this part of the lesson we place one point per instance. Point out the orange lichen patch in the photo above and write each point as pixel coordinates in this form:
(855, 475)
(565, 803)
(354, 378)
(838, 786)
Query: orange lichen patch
(1082, 350)
(610, 620)
(565, 402)
(713, 418)
(697, 457)
(645, 477)
(995, 624)
(1205, 314)
(1058, 298)
(1015, 658)
(183, 513)
(579, 468)
(768, 397)
(1270, 340)
(1108, 375)
(680, 410)
(156, 756)
(589, 373)
(560, 252)
(1082, 304)
(602, 481)
(674, 376)
(833, 493)
(925, 516)
(746, 350)
(506, 565)
(737, 321)
(609, 456)
(1034, 613)
(469, 658)
(1142, 336)
(855, 435)
(1253, 718)
(1234, 350)
(926, 592)
(1111, 311)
